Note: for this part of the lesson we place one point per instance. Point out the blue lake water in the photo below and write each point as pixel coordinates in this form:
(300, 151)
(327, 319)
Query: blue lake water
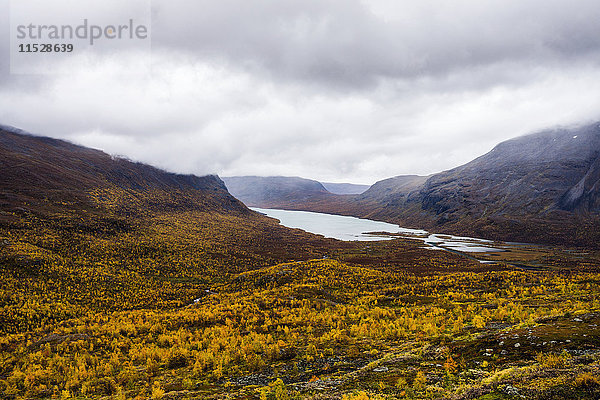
(352, 228)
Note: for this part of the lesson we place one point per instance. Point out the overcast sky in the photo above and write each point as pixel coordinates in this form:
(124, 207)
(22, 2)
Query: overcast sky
(349, 90)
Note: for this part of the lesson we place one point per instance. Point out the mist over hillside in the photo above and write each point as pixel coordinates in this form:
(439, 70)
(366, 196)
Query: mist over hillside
(345, 188)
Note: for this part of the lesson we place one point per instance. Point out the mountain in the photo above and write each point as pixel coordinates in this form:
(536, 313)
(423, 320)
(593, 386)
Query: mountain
(543, 187)
(530, 175)
(45, 175)
(393, 192)
(275, 191)
(344, 188)
(70, 199)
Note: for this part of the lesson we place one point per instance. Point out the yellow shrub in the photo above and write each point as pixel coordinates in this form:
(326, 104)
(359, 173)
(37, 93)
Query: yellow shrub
(555, 361)
(357, 396)
(420, 381)
(587, 380)
(157, 391)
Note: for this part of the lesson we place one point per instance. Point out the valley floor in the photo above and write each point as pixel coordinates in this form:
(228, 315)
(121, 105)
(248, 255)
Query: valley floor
(192, 305)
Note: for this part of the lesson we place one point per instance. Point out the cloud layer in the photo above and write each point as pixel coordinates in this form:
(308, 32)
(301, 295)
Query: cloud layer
(331, 90)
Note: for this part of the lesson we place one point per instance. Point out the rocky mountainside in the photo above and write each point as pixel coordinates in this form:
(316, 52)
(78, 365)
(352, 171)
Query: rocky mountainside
(541, 187)
(537, 186)
(530, 175)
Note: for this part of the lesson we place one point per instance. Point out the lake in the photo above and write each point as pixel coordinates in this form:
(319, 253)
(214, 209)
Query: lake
(336, 226)
(352, 228)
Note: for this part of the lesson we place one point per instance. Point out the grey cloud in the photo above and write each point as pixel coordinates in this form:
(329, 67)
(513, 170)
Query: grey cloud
(4, 42)
(335, 42)
(331, 90)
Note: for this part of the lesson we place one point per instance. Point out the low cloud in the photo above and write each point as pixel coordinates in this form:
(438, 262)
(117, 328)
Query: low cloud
(331, 90)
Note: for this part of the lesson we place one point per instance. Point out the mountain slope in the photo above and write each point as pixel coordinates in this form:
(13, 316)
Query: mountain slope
(41, 174)
(394, 192)
(54, 193)
(542, 187)
(530, 175)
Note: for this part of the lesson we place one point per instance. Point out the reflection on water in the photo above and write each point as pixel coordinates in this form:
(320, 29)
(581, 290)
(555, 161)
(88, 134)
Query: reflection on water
(351, 228)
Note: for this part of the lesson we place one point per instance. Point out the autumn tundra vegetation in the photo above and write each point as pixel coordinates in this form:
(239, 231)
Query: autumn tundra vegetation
(129, 291)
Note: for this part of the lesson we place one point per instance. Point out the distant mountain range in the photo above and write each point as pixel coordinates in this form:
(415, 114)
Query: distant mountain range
(543, 187)
(267, 191)
(272, 191)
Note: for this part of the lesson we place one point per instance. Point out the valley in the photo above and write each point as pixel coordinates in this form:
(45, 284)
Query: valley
(123, 281)
(538, 188)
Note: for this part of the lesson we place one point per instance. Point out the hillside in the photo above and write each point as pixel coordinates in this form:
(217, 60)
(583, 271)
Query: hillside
(540, 187)
(42, 175)
(118, 234)
(530, 175)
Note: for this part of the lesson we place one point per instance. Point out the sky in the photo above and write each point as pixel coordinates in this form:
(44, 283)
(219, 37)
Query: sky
(339, 91)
